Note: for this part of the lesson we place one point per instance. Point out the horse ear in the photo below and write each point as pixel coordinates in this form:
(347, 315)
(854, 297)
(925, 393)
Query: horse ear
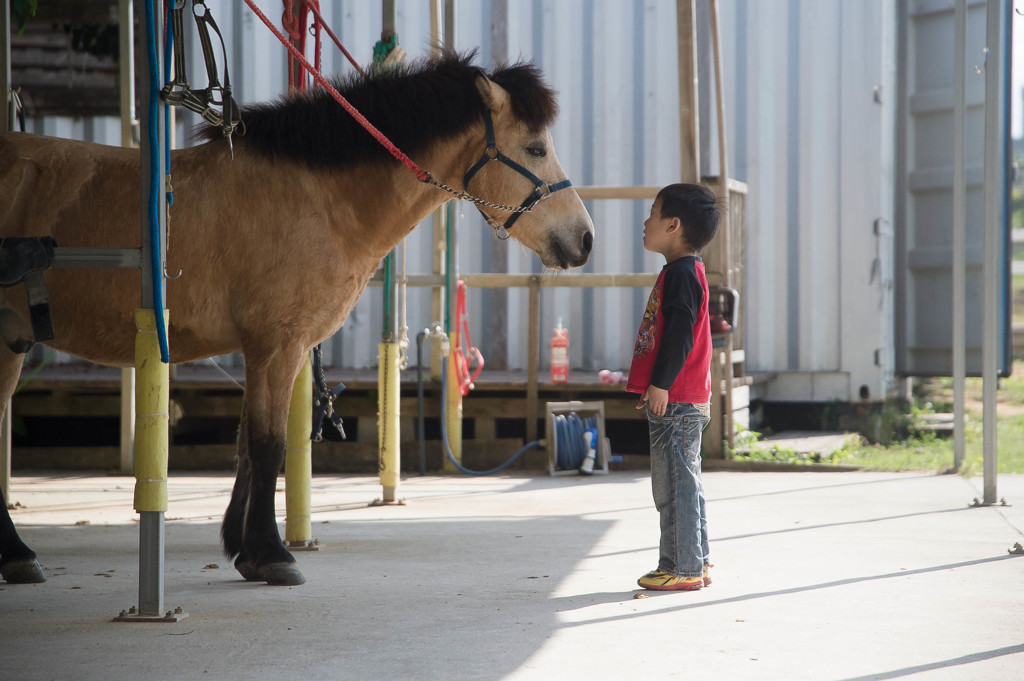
(495, 97)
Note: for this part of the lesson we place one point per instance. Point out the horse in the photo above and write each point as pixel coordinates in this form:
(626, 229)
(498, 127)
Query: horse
(276, 242)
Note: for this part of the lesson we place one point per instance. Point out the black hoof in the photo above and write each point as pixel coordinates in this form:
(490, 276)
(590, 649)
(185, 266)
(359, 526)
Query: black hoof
(282, 574)
(248, 570)
(23, 572)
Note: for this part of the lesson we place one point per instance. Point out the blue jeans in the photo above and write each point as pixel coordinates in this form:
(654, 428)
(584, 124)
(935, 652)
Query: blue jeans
(678, 489)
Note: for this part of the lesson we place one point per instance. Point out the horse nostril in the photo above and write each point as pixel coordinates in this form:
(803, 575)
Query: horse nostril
(588, 241)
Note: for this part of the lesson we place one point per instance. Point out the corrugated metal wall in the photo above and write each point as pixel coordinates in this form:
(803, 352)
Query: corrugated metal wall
(811, 97)
(925, 244)
(614, 65)
(808, 133)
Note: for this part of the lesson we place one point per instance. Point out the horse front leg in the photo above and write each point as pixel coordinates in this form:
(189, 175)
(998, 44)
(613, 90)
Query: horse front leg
(262, 445)
(18, 563)
(234, 517)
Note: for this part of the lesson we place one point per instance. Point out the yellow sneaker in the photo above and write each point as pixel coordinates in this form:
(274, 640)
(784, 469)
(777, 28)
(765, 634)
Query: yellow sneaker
(707, 574)
(658, 580)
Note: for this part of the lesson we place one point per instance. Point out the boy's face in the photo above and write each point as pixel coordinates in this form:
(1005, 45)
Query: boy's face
(661, 235)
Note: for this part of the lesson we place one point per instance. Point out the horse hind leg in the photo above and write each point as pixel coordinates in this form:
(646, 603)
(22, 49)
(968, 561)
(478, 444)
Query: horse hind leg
(18, 564)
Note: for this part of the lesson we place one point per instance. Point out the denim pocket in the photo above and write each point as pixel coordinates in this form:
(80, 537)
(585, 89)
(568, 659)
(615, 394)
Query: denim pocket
(692, 427)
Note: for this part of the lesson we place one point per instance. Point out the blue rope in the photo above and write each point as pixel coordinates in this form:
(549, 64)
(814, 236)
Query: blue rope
(154, 185)
(168, 56)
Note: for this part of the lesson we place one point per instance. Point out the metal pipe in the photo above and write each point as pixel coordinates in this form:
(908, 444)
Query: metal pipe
(959, 232)
(298, 462)
(452, 396)
(152, 373)
(994, 201)
(126, 71)
(421, 432)
(389, 419)
(151, 440)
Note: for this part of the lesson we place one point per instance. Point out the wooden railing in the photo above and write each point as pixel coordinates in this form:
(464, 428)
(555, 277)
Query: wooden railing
(715, 261)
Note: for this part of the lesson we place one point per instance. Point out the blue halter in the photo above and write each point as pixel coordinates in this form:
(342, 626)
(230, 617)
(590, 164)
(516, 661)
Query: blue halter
(543, 190)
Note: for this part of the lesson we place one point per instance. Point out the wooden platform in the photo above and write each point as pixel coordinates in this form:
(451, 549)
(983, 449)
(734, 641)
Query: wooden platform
(62, 406)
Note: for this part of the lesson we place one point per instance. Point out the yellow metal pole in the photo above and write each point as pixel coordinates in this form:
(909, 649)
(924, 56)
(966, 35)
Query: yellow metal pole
(388, 435)
(151, 416)
(453, 411)
(298, 462)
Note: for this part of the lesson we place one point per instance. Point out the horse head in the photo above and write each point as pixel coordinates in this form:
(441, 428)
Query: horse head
(551, 220)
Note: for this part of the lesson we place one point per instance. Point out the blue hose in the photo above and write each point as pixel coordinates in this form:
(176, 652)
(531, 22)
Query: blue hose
(444, 434)
(572, 446)
(569, 431)
(154, 184)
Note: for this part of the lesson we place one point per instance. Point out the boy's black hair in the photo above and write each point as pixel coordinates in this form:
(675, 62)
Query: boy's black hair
(696, 207)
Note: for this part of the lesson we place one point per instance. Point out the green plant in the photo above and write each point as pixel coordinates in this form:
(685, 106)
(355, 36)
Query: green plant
(22, 11)
(745, 437)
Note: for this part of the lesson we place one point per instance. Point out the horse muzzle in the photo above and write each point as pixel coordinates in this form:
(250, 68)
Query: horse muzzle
(571, 249)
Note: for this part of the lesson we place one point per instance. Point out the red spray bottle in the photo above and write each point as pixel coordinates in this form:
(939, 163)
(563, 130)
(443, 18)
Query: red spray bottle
(560, 354)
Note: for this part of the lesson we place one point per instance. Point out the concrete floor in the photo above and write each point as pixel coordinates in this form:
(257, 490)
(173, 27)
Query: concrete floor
(821, 576)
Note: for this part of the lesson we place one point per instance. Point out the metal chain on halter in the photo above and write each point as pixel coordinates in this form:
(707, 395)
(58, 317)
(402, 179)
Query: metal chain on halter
(461, 194)
(323, 399)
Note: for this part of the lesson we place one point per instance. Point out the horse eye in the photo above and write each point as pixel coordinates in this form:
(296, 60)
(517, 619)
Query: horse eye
(537, 151)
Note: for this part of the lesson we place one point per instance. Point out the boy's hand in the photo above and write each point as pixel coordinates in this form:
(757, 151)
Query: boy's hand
(656, 400)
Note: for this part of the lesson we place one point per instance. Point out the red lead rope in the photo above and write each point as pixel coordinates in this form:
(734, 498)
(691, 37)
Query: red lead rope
(316, 13)
(421, 174)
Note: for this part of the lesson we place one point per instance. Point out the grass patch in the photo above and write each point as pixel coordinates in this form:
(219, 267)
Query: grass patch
(923, 453)
(915, 449)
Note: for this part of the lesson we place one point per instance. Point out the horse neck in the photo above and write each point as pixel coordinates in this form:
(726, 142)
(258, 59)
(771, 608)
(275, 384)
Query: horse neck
(394, 201)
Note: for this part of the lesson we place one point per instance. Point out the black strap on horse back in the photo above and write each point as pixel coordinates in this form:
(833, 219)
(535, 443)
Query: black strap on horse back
(26, 259)
(178, 92)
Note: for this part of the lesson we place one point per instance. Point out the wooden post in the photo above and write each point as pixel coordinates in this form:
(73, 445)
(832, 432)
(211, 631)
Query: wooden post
(496, 300)
(689, 140)
(725, 229)
(533, 360)
(711, 444)
(437, 299)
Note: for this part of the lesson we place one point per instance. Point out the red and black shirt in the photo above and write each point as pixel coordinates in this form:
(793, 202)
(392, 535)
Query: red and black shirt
(673, 346)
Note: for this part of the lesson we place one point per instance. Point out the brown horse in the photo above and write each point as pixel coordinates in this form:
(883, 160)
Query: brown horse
(276, 245)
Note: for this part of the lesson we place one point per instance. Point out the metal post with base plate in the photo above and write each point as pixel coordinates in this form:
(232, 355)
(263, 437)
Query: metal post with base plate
(152, 373)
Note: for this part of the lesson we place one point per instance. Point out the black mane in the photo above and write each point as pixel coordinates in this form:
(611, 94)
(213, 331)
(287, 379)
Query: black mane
(430, 100)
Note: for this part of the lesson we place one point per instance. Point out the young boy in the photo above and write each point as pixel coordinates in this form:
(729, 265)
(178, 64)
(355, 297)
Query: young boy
(671, 370)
